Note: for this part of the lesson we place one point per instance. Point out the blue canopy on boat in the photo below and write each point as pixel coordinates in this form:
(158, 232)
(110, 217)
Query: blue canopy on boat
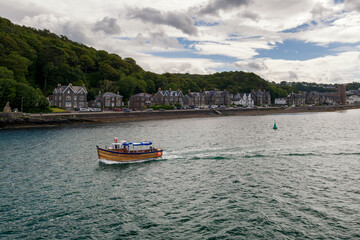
(137, 144)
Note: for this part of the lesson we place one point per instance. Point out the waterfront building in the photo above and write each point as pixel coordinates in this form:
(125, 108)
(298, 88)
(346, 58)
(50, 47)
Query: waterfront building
(353, 99)
(69, 96)
(261, 97)
(141, 101)
(243, 99)
(321, 98)
(217, 98)
(194, 99)
(168, 97)
(280, 101)
(296, 98)
(108, 100)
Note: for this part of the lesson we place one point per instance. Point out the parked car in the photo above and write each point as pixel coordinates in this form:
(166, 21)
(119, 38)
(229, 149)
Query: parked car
(84, 110)
(161, 109)
(117, 109)
(149, 109)
(127, 110)
(95, 110)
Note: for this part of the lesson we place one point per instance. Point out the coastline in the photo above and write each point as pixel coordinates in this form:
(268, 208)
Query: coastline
(12, 121)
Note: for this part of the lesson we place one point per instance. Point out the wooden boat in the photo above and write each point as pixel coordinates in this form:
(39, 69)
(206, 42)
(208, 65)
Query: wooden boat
(124, 151)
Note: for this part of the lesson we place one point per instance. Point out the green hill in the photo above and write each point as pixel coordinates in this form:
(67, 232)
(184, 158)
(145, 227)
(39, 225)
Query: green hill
(33, 62)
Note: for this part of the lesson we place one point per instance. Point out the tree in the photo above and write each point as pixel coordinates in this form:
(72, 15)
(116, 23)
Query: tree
(86, 62)
(6, 73)
(7, 91)
(29, 95)
(18, 64)
(48, 68)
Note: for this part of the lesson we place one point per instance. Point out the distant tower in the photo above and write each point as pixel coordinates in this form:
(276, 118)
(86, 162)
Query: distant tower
(341, 90)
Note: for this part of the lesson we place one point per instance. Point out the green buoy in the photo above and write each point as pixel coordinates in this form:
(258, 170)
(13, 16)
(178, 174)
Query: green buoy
(275, 127)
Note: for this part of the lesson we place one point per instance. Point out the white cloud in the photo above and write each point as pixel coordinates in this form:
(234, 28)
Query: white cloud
(240, 29)
(243, 49)
(341, 68)
(179, 65)
(345, 30)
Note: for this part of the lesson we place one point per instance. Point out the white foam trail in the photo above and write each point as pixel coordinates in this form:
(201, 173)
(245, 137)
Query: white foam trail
(127, 162)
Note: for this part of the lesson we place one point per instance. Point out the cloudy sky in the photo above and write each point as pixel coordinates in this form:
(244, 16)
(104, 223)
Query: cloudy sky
(292, 40)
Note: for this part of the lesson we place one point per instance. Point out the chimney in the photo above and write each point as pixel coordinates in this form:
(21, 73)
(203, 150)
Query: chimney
(159, 89)
(189, 91)
(70, 84)
(59, 84)
(83, 85)
(117, 93)
(170, 89)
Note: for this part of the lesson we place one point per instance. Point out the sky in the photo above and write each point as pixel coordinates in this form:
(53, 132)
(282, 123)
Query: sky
(292, 40)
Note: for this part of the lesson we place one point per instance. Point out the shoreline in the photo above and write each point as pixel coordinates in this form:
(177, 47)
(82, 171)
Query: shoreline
(18, 121)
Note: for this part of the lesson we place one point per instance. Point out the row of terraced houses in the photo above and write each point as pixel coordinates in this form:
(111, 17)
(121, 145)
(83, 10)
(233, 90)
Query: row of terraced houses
(75, 97)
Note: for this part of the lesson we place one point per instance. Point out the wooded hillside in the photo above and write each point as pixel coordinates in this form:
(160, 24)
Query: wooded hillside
(33, 62)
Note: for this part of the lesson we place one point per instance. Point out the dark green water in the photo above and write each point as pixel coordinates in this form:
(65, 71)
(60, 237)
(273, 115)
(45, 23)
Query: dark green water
(219, 178)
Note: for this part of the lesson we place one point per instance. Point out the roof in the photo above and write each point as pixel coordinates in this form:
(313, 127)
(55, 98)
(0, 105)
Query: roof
(110, 94)
(170, 93)
(142, 95)
(75, 89)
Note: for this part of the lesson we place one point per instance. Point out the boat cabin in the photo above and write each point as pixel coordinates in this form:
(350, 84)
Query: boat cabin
(130, 146)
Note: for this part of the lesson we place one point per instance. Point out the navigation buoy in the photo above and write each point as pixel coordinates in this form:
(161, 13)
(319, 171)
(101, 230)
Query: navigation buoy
(275, 127)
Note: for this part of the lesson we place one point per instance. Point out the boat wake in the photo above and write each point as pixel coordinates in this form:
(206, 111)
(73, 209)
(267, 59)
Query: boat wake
(107, 162)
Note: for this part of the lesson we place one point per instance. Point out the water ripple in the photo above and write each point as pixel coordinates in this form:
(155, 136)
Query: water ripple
(219, 178)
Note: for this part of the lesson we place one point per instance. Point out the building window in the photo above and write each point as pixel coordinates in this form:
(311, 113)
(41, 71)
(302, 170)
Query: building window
(60, 98)
(75, 98)
(81, 98)
(68, 98)
(68, 104)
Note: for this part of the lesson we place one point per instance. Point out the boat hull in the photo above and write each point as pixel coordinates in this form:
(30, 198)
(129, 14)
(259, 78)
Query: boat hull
(117, 156)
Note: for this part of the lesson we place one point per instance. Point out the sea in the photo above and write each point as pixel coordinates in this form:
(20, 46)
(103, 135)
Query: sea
(219, 178)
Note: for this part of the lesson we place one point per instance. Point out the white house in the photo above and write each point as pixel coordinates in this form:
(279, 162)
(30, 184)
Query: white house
(280, 101)
(243, 99)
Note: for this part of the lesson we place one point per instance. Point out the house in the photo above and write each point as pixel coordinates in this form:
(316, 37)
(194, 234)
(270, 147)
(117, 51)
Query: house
(194, 99)
(69, 96)
(353, 99)
(280, 101)
(141, 100)
(261, 97)
(168, 97)
(243, 99)
(217, 98)
(296, 98)
(314, 97)
(108, 100)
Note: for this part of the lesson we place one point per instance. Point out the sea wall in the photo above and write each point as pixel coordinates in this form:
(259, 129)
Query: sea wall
(20, 120)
